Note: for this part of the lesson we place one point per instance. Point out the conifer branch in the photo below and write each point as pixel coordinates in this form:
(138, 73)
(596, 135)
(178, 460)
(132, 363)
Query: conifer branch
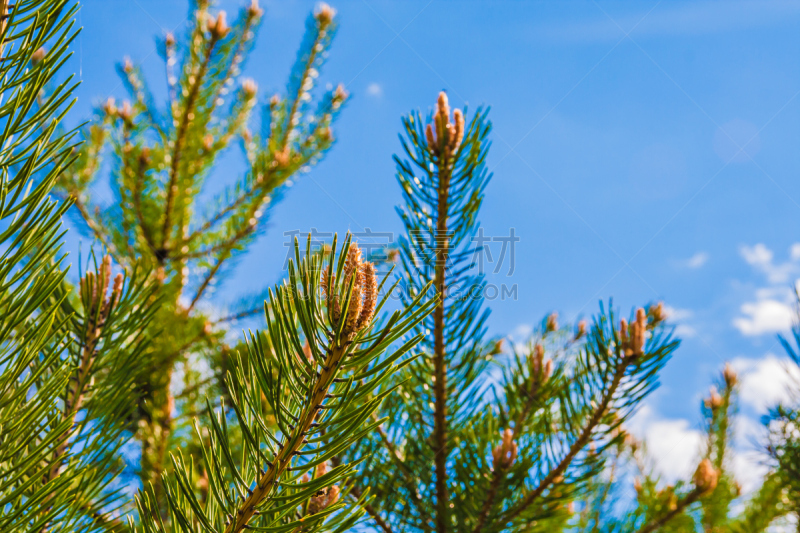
(180, 137)
(682, 504)
(577, 445)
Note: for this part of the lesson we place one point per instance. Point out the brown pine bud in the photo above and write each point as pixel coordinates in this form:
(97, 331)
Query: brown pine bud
(254, 11)
(504, 455)
(110, 108)
(705, 477)
(208, 142)
(730, 376)
(274, 101)
(219, 27)
(431, 140)
(249, 88)
(169, 40)
(457, 131)
(339, 95)
(127, 65)
(497, 348)
(370, 294)
(324, 15)
(126, 113)
(38, 56)
(657, 314)
(714, 401)
(637, 485)
(580, 331)
(552, 322)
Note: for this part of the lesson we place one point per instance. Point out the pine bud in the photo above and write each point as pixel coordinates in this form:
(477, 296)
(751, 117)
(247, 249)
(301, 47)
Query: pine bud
(705, 477)
(552, 322)
(324, 15)
(38, 56)
(254, 11)
(497, 348)
(274, 101)
(714, 401)
(219, 27)
(127, 66)
(110, 108)
(581, 331)
(339, 96)
(250, 88)
(657, 314)
(126, 113)
(505, 453)
(729, 374)
(169, 40)
(208, 142)
(370, 293)
(637, 485)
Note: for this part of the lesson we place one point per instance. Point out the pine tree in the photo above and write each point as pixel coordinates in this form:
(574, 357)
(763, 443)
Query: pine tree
(161, 157)
(65, 386)
(451, 460)
(710, 501)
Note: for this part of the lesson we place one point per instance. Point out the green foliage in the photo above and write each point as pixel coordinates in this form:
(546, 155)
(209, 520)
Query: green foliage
(302, 394)
(710, 501)
(65, 389)
(162, 156)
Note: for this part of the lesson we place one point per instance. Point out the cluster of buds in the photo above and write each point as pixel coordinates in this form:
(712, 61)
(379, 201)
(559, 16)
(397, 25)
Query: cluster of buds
(730, 376)
(541, 370)
(632, 337)
(363, 298)
(323, 498)
(324, 15)
(97, 302)
(714, 400)
(504, 455)
(218, 27)
(449, 134)
(705, 477)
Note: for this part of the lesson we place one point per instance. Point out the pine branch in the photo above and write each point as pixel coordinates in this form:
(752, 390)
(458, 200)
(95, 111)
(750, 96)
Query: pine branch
(579, 444)
(681, 505)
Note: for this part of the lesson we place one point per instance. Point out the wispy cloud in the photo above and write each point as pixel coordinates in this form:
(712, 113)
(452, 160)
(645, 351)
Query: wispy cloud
(374, 89)
(696, 261)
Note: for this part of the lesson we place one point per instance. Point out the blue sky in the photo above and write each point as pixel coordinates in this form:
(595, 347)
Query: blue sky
(641, 150)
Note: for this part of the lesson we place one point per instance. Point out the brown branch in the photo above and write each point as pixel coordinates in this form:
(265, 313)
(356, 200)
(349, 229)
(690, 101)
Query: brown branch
(269, 479)
(181, 136)
(576, 447)
(657, 523)
(439, 361)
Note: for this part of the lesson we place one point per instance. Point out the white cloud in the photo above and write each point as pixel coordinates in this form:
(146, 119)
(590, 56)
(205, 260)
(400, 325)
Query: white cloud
(766, 381)
(764, 316)
(374, 89)
(673, 444)
(697, 260)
